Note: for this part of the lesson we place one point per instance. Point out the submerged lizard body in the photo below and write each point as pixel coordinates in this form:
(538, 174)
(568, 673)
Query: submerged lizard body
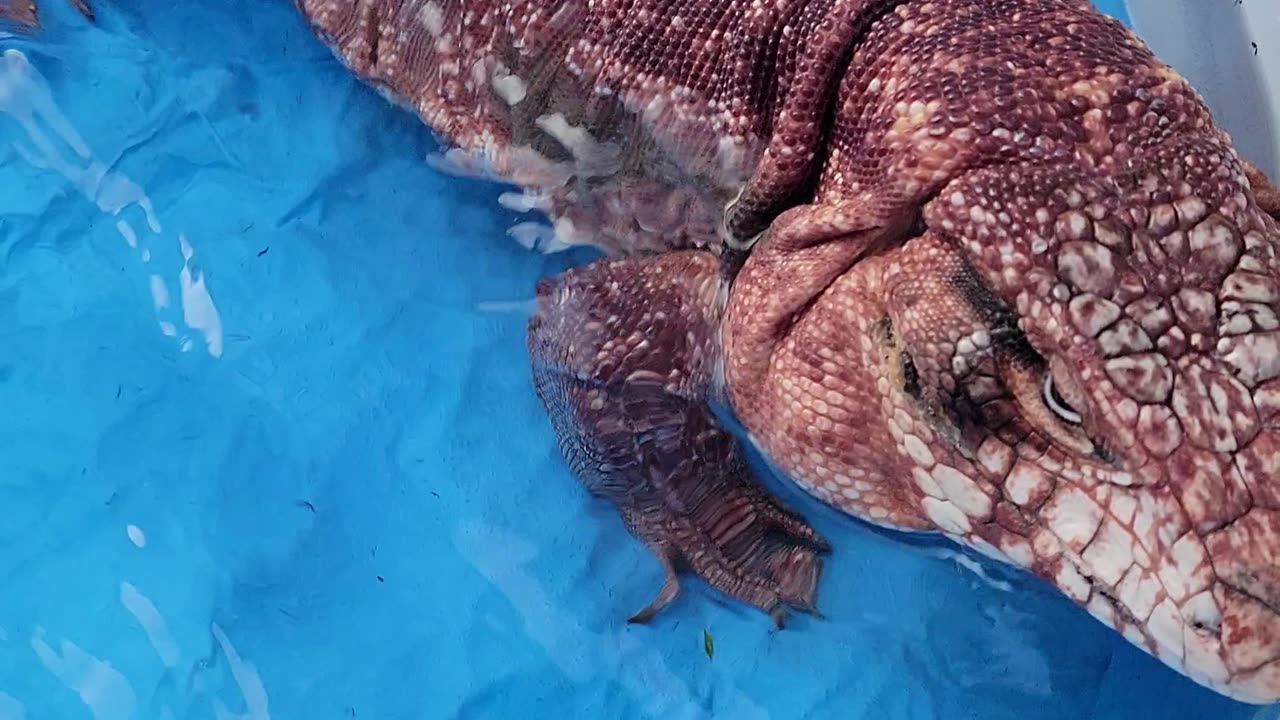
(1006, 281)
(1013, 285)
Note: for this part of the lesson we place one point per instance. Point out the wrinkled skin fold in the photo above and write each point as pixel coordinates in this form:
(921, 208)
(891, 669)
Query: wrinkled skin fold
(1006, 281)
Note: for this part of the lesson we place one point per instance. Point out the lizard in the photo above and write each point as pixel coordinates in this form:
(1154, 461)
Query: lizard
(981, 268)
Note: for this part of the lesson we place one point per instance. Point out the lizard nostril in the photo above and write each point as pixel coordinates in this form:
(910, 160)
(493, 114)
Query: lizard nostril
(1203, 614)
(1207, 626)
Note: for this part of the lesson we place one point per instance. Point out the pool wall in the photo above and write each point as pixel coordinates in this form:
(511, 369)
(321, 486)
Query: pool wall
(1230, 52)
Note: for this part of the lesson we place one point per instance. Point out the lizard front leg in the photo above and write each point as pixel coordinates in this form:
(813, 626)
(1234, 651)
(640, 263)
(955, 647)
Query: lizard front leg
(624, 353)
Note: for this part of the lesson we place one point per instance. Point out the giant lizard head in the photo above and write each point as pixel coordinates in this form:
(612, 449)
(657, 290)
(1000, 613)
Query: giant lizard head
(1037, 309)
(1110, 373)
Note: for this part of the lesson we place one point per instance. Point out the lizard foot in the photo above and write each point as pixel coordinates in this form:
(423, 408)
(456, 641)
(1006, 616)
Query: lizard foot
(623, 355)
(716, 522)
(794, 583)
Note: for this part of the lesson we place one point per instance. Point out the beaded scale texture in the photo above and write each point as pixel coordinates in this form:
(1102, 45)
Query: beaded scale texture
(1004, 279)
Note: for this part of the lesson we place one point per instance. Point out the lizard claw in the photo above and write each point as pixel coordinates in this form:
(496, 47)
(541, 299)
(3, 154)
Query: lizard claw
(737, 538)
(728, 531)
(670, 589)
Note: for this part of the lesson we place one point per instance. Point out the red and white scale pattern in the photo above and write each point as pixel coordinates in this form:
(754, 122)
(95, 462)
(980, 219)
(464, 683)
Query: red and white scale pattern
(1064, 177)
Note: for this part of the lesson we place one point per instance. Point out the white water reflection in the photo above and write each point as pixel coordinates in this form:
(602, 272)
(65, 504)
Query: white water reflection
(102, 688)
(247, 679)
(109, 695)
(582, 654)
(26, 98)
(10, 708)
(153, 624)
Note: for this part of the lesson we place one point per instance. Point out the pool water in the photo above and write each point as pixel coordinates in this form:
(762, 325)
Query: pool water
(271, 448)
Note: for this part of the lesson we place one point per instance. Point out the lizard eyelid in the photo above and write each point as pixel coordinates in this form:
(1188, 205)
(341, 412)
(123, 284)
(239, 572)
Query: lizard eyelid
(1055, 403)
(1029, 379)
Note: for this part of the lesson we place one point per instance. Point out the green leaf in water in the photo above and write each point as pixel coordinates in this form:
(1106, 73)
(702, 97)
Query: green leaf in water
(708, 646)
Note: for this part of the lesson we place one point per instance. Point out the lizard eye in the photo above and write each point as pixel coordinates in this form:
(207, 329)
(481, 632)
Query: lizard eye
(1032, 383)
(1060, 407)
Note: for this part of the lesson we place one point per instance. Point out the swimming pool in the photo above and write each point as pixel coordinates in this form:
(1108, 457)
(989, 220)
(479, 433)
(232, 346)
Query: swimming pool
(273, 449)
